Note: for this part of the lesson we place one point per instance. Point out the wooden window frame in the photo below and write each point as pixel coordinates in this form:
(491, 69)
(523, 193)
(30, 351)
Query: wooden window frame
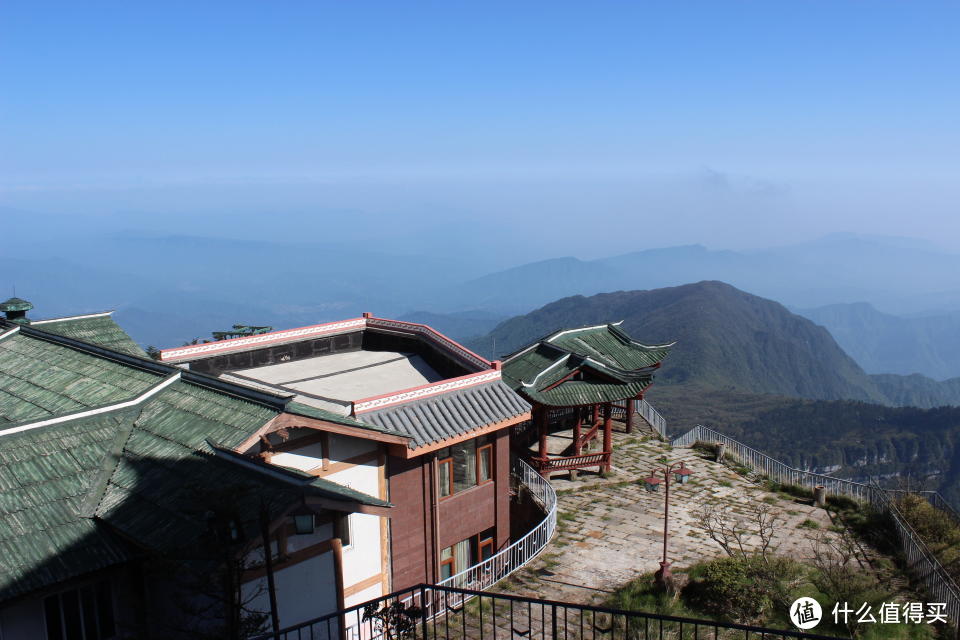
(440, 463)
(490, 466)
(450, 561)
(485, 542)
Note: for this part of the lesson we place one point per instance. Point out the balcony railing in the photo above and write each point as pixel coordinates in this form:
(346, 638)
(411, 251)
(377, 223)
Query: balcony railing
(487, 573)
(434, 612)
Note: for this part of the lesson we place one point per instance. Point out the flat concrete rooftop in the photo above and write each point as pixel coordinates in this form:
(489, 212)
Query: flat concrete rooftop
(343, 377)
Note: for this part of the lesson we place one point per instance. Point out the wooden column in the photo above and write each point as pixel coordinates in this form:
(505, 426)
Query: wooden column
(607, 433)
(540, 414)
(631, 408)
(576, 438)
(576, 431)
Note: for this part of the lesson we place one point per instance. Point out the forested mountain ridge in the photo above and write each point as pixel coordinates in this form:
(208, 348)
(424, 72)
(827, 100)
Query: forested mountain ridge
(727, 339)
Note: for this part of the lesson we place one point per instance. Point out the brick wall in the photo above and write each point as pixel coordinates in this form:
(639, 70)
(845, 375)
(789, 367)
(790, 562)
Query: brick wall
(461, 516)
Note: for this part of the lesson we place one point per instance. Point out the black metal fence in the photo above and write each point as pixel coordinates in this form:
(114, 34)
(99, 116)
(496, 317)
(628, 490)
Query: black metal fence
(430, 612)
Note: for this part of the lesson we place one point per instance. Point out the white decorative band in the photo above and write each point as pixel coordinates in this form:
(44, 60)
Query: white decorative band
(152, 391)
(12, 332)
(67, 318)
(266, 338)
(372, 404)
(424, 330)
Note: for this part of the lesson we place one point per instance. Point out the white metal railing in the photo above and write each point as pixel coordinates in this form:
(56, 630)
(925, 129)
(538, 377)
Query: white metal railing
(485, 574)
(925, 566)
(652, 416)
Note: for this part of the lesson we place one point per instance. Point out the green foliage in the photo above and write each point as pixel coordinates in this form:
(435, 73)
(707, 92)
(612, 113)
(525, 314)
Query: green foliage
(936, 528)
(394, 621)
(744, 589)
(642, 594)
(809, 524)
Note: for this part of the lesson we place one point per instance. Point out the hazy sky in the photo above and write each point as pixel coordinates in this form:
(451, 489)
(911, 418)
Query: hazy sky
(731, 124)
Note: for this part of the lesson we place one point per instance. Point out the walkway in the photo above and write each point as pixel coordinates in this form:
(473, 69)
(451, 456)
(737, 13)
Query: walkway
(610, 530)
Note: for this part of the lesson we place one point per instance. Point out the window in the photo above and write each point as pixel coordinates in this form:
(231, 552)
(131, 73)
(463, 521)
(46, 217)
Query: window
(446, 477)
(446, 563)
(486, 549)
(465, 465)
(344, 531)
(484, 463)
(457, 558)
(81, 614)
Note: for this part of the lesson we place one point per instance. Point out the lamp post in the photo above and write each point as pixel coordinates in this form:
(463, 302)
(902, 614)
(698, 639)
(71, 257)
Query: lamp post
(681, 474)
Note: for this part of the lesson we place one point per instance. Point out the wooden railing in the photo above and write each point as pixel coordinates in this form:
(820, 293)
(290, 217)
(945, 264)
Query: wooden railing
(547, 465)
(920, 561)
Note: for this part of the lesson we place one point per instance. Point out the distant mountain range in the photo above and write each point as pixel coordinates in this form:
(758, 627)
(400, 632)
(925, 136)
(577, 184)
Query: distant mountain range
(884, 343)
(727, 340)
(775, 380)
(170, 289)
(895, 275)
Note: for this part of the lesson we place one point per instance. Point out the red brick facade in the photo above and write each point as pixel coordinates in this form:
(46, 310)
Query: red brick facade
(413, 551)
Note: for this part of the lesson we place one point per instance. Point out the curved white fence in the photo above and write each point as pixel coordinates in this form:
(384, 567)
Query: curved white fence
(925, 566)
(485, 574)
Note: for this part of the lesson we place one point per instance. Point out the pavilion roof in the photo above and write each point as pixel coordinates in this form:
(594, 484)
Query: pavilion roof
(573, 367)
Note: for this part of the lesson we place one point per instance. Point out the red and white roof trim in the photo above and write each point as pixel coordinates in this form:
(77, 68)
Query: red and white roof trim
(192, 352)
(417, 393)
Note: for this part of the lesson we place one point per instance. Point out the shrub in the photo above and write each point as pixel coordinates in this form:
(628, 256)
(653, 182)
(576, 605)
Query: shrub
(742, 589)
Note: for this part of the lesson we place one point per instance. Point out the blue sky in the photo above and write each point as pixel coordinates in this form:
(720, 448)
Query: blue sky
(727, 123)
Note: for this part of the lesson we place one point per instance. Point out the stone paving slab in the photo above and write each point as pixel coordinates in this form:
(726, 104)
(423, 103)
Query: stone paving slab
(610, 529)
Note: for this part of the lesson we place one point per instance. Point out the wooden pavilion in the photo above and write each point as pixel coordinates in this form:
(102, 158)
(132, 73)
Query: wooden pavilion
(578, 378)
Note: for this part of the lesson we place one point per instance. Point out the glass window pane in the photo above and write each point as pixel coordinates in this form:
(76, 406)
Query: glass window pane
(462, 555)
(51, 609)
(445, 470)
(105, 609)
(464, 466)
(484, 459)
(88, 604)
(71, 614)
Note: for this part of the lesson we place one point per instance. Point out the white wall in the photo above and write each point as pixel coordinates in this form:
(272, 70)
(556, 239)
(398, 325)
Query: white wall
(362, 558)
(304, 591)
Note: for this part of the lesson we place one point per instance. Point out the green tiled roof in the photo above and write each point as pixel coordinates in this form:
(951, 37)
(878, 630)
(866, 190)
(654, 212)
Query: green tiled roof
(99, 329)
(577, 393)
(44, 476)
(307, 411)
(39, 379)
(611, 345)
(95, 490)
(603, 362)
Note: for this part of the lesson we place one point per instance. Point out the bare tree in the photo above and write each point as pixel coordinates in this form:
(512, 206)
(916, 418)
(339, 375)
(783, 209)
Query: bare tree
(733, 531)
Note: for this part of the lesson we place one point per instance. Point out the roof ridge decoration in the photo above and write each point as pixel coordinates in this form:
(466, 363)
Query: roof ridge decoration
(416, 393)
(533, 382)
(98, 487)
(99, 314)
(146, 395)
(268, 399)
(12, 332)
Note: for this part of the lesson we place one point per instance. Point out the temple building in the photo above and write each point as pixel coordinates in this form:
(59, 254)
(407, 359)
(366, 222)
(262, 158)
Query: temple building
(407, 414)
(322, 467)
(576, 379)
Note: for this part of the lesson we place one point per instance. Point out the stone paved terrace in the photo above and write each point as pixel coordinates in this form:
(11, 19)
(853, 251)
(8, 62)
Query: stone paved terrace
(610, 530)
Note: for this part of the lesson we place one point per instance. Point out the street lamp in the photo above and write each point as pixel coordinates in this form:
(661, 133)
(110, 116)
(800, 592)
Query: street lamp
(681, 475)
